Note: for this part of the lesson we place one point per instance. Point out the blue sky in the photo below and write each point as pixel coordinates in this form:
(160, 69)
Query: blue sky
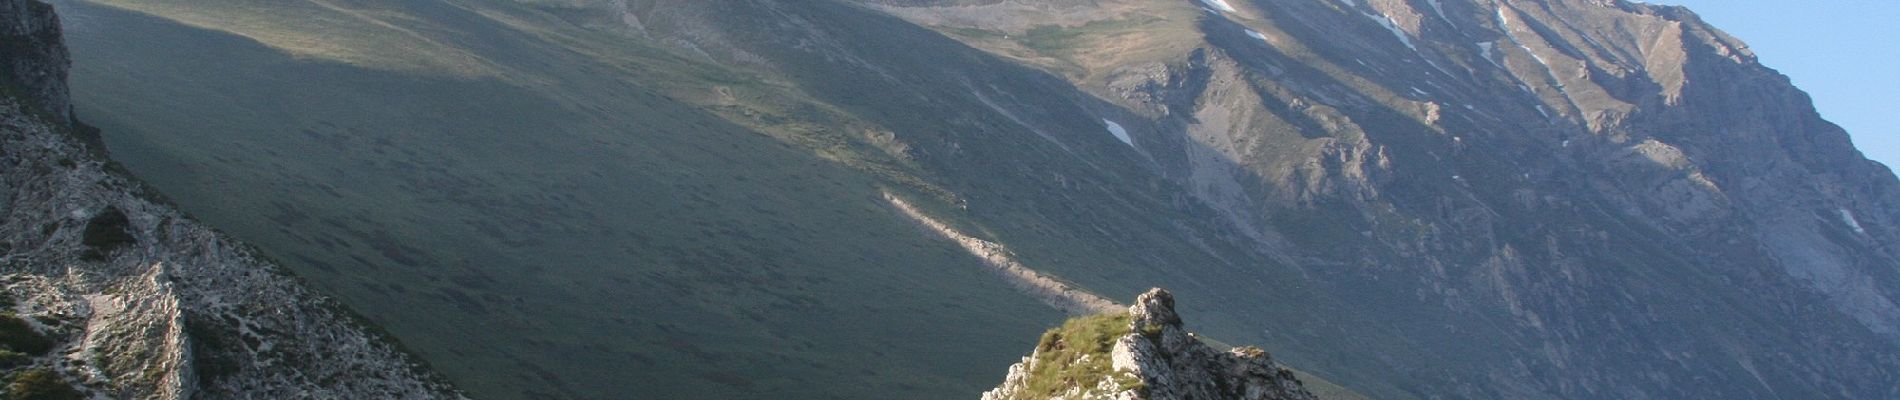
(1844, 53)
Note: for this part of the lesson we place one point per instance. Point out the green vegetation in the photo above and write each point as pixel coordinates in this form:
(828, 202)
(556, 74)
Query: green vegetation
(492, 223)
(1151, 330)
(17, 338)
(211, 351)
(1078, 355)
(41, 384)
(11, 359)
(106, 232)
(727, 224)
(17, 335)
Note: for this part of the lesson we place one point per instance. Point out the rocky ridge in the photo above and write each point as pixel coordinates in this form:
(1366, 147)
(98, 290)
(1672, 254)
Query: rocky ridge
(1153, 357)
(122, 296)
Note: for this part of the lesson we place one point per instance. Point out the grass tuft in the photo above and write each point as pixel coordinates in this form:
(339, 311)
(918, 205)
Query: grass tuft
(1077, 354)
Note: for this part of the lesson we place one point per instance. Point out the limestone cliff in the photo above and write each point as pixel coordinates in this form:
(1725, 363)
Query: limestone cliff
(1144, 354)
(35, 61)
(111, 294)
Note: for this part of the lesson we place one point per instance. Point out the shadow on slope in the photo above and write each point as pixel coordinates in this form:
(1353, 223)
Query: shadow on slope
(609, 243)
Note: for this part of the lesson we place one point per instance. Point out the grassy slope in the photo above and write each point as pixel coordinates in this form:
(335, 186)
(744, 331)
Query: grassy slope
(604, 241)
(580, 222)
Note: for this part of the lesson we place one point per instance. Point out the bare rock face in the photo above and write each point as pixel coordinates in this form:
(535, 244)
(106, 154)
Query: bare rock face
(139, 301)
(36, 60)
(1154, 358)
(1176, 365)
(1566, 167)
(110, 294)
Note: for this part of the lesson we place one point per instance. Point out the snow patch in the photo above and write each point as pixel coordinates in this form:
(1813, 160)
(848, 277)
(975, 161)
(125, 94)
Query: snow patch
(1440, 10)
(1219, 5)
(1386, 21)
(1848, 217)
(1504, 22)
(1256, 35)
(1119, 132)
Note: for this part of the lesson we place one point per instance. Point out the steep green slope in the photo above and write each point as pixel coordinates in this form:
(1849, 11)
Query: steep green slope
(581, 192)
(531, 247)
(110, 292)
(1455, 198)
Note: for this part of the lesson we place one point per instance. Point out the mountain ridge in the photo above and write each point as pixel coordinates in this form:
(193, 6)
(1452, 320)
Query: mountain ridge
(1535, 199)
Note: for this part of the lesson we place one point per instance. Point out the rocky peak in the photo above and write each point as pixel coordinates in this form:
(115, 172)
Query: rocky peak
(1156, 307)
(1152, 356)
(35, 62)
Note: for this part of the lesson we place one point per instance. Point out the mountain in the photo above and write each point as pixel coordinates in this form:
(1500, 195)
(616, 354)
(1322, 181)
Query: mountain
(1547, 199)
(112, 293)
(1143, 353)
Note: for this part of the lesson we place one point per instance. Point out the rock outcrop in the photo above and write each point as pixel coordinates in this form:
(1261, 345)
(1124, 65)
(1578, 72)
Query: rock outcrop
(111, 294)
(35, 61)
(1151, 357)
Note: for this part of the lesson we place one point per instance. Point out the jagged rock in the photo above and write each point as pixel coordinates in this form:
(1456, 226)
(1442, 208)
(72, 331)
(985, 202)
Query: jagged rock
(1164, 360)
(35, 62)
(137, 300)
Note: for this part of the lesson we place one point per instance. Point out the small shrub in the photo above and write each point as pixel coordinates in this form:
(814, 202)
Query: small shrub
(106, 232)
(1049, 340)
(41, 384)
(10, 359)
(17, 335)
(1151, 330)
(211, 349)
